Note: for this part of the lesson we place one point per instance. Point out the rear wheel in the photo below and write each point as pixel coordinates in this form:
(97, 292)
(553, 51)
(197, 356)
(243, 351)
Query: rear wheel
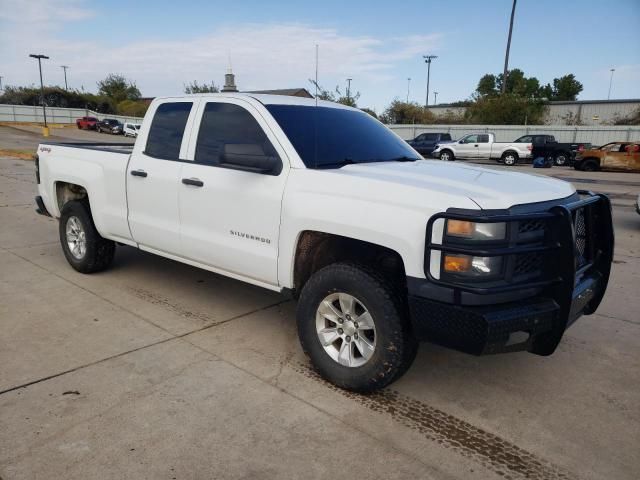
(85, 250)
(354, 326)
(510, 158)
(561, 159)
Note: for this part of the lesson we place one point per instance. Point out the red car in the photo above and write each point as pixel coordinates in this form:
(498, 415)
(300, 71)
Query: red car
(87, 123)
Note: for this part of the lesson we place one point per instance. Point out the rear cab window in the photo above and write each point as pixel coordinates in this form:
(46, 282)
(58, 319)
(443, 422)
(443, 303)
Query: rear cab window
(167, 129)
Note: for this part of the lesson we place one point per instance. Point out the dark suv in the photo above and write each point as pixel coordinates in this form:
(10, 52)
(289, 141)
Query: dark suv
(109, 125)
(425, 143)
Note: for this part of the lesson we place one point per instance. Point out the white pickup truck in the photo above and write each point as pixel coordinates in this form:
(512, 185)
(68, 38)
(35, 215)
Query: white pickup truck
(483, 145)
(381, 248)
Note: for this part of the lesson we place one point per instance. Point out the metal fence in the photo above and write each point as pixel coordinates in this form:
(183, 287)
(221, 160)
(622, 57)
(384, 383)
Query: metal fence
(28, 113)
(597, 135)
(508, 133)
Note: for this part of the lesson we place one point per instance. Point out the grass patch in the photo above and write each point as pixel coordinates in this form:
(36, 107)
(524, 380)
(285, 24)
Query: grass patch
(17, 153)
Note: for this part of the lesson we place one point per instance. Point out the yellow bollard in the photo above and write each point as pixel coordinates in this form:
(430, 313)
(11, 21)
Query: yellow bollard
(45, 131)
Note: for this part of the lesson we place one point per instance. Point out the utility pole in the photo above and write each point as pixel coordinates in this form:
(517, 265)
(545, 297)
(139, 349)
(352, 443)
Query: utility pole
(427, 60)
(610, 82)
(408, 87)
(435, 98)
(349, 88)
(506, 57)
(44, 109)
(64, 67)
(1, 77)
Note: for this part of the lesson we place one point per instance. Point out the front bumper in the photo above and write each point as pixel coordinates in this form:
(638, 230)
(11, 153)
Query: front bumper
(530, 315)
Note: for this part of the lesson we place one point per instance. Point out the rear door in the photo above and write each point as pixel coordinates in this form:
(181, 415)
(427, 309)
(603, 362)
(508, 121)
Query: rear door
(621, 157)
(230, 219)
(484, 147)
(154, 177)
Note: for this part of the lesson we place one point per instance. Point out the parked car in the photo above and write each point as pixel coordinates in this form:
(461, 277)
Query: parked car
(425, 143)
(87, 123)
(323, 202)
(562, 153)
(614, 156)
(482, 145)
(131, 129)
(109, 125)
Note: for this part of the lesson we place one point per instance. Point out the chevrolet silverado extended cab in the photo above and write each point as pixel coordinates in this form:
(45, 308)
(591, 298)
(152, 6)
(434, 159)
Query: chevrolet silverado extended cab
(483, 145)
(381, 248)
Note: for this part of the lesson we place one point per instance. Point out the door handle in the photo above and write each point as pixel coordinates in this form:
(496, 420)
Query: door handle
(138, 173)
(476, 145)
(196, 182)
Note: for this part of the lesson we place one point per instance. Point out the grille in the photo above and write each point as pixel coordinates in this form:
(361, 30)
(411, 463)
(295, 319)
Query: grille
(580, 226)
(527, 264)
(530, 226)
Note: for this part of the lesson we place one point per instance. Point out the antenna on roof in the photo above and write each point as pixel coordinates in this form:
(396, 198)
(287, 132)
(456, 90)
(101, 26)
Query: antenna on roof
(316, 82)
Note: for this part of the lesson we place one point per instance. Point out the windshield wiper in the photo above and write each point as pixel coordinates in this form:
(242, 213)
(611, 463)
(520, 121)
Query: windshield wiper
(346, 161)
(402, 159)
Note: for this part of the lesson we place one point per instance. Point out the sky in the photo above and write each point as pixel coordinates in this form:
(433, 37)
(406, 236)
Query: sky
(163, 45)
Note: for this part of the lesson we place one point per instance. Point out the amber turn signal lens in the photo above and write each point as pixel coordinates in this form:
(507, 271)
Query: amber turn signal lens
(457, 263)
(460, 228)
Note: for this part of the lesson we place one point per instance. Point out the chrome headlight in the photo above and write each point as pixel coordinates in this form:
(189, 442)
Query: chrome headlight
(476, 231)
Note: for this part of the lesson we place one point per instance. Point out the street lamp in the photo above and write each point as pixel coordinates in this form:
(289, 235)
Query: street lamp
(427, 60)
(610, 82)
(408, 87)
(64, 67)
(44, 109)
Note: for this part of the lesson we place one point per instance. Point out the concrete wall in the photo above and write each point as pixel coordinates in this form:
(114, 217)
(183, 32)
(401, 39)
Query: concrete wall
(507, 133)
(588, 113)
(25, 113)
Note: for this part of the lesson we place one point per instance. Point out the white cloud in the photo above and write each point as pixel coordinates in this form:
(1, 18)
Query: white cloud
(263, 55)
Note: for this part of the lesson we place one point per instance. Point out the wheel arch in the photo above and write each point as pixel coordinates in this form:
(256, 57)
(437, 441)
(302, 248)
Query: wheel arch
(315, 250)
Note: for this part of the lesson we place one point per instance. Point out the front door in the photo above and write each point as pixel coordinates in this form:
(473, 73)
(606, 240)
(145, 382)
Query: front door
(467, 147)
(230, 219)
(154, 178)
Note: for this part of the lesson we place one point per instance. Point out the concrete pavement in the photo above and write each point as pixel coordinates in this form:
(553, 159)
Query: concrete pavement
(154, 369)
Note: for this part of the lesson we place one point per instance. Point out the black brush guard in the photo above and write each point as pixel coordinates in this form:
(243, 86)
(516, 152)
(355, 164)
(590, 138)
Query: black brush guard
(575, 258)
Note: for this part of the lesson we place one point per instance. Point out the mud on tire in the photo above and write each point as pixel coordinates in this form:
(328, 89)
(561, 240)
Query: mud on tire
(98, 252)
(395, 345)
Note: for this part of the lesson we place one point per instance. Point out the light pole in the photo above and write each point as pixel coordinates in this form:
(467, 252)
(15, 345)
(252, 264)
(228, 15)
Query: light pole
(349, 88)
(408, 87)
(1, 77)
(435, 98)
(44, 109)
(427, 60)
(506, 56)
(610, 82)
(64, 67)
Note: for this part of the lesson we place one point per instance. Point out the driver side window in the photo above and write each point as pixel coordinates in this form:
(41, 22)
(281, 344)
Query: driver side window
(470, 139)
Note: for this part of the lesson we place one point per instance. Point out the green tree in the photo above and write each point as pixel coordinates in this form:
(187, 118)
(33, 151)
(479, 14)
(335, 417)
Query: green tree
(566, 88)
(195, 87)
(336, 95)
(57, 97)
(132, 108)
(118, 88)
(487, 85)
(400, 112)
(507, 109)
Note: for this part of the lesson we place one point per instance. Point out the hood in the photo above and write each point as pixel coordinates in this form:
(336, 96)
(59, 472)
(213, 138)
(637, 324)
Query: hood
(488, 188)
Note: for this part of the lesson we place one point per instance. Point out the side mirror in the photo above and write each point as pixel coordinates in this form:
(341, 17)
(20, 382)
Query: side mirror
(249, 157)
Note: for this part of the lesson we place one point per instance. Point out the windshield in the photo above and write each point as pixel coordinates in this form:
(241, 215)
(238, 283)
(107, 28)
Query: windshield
(326, 137)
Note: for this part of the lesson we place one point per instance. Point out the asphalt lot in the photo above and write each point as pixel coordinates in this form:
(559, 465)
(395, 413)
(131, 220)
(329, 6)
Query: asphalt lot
(154, 369)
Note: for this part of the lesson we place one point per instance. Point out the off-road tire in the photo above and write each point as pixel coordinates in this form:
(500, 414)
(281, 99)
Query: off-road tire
(99, 251)
(396, 346)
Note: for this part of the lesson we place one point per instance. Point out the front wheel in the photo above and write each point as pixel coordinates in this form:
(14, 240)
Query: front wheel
(590, 165)
(446, 156)
(510, 158)
(354, 326)
(85, 250)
